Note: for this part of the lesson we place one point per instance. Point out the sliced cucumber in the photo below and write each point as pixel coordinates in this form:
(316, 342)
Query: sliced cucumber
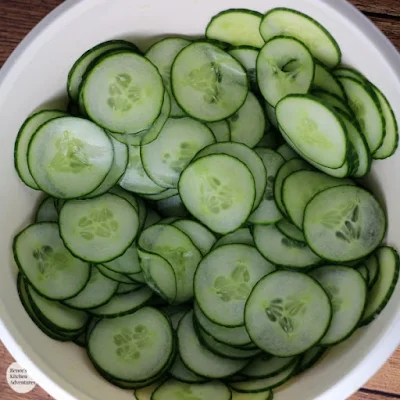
(290, 230)
(165, 195)
(128, 263)
(267, 212)
(247, 56)
(124, 288)
(271, 115)
(363, 271)
(219, 190)
(285, 21)
(237, 27)
(183, 374)
(114, 276)
(287, 313)
(281, 250)
(47, 264)
(263, 395)
(284, 66)
(162, 54)
(310, 357)
(383, 289)
(240, 236)
(264, 366)
(47, 211)
(249, 123)
(334, 101)
(166, 157)
(98, 229)
(287, 152)
(346, 72)
(27, 130)
(69, 157)
(373, 270)
(347, 291)
(123, 92)
(221, 130)
(344, 223)
(208, 83)
(325, 80)
(224, 280)
(152, 218)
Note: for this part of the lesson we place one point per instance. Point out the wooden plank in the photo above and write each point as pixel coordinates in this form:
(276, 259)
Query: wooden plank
(389, 7)
(361, 395)
(389, 27)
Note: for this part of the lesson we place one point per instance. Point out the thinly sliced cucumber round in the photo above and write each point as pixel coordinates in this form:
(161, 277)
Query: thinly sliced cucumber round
(300, 187)
(263, 395)
(221, 130)
(237, 27)
(69, 157)
(123, 92)
(284, 66)
(310, 357)
(373, 268)
(366, 106)
(49, 267)
(264, 366)
(347, 291)
(287, 313)
(247, 56)
(98, 229)
(165, 195)
(183, 374)
(249, 123)
(137, 278)
(287, 152)
(152, 218)
(83, 62)
(208, 83)
(281, 250)
(178, 142)
(232, 336)
(177, 248)
(173, 389)
(136, 202)
(334, 101)
(224, 280)
(123, 304)
(383, 289)
(27, 130)
(47, 211)
(363, 271)
(132, 348)
(162, 54)
(240, 236)
(198, 358)
(291, 231)
(344, 223)
(346, 72)
(124, 288)
(253, 160)
(97, 292)
(135, 178)
(128, 263)
(391, 139)
(114, 276)
(313, 129)
(267, 212)
(219, 190)
(322, 45)
(325, 80)
(271, 115)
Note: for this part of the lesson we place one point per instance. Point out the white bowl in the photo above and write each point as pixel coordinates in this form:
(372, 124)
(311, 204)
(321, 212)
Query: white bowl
(36, 74)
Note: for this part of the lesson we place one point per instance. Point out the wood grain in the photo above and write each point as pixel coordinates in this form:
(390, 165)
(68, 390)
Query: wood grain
(18, 17)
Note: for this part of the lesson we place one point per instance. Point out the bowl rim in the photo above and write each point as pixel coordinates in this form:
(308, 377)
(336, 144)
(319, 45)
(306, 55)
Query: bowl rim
(57, 385)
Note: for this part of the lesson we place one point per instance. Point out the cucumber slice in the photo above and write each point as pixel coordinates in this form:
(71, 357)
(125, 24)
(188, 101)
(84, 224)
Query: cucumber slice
(291, 231)
(176, 247)
(132, 348)
(247, 56)
(347, 291)
(221, 130)
(136, 202)
(310, 358)
(219, 190)
(114, 276)
(237, 27)
(383, 289)
(314, 130)
(284, 66)
(198, 358)
(27, 130)
(253, 160)
(300, 187)
(123, 304)
(267, 212)
(183, 374)
(373, 270)
(47, 211)
(344, 223)
(124, 288)
(208, 83)
(363, 271)
(82, 64)
(287, 152)
(69, 157)
(325, 80)
(98, 229)
(97, 292)
(346, 72)
(271, 116)
(391, 139)
(137, 278)
(240, 236)
(135, 178)
(264, 395)
(123, 92)
(162, 54)
(365, 105)
(173, 389)
(287, 313)
(165, 195)
(128, 263)
(152, 218)
(249, 123)
(49, 267)
(285, 21)
(224, 280)
(334, 101)
(265, 366)
(281, 250)
(232, 336)
(180, 139)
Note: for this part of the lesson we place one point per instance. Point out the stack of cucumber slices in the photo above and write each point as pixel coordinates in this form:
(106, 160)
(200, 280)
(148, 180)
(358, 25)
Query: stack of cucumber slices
(204, 234)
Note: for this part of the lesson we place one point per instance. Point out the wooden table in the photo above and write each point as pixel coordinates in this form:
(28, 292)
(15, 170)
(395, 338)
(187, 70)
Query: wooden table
(18, 17)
